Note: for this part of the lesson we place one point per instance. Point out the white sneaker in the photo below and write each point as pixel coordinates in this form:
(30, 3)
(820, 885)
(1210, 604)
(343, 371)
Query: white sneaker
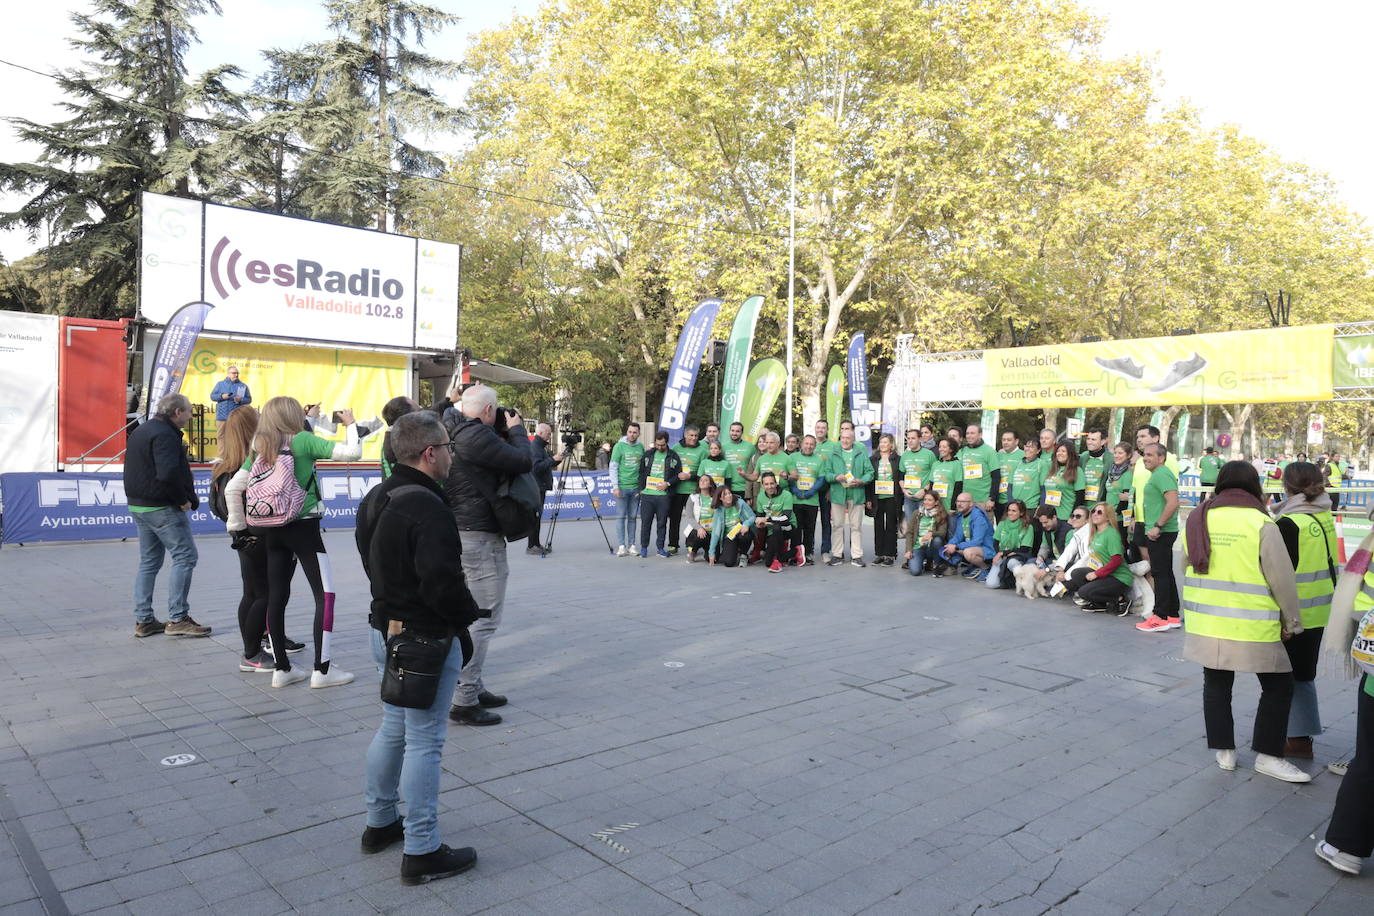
(287, 678)
(334, 677)
(1339, 767)
(1280, 768)
(1342, 861)
(620, 551)
(1227, 759)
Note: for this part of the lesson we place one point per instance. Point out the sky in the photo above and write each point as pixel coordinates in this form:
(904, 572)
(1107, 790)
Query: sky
(1285, 73)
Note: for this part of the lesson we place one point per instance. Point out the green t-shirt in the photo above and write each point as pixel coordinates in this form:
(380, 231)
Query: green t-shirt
(306, 449)
(706, 513)
(1140, 476)
(738, 454)
(1046, 459)
(691, 459)
(979, 463)
(625, 458)
(943, 476)
(1060, 494)
(1006, 465)
(1092, 470)
(1161, 481)
(718, 469)
(657, 468)
(779, 464)
(1105, 545)
(924, 525)
(1026, 478)
(768, 506)
(810, 471)
(915, 467)
(1013, 535)
(885, 484)
(1208, 467)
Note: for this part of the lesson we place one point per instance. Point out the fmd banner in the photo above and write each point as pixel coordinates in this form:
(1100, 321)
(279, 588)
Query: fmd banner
(92, 507)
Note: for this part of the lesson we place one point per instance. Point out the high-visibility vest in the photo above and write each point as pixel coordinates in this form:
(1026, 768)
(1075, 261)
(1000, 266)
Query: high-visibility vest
(1232, 599)
(1314, 572)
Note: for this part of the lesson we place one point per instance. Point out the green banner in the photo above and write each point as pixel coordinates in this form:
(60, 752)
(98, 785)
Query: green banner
(737, 360)
(762, 388)
(834, 400)
(988, 424)
(1118, 420)
(1181, 436)
(1157, 421)
(1352, 362)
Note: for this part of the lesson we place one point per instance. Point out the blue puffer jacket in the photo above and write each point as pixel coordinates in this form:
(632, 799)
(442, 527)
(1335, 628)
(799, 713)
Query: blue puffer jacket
(972, 530)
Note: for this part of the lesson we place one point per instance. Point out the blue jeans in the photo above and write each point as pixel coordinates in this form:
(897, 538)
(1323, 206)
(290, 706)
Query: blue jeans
(486, 569)
(651, 508)
(403, 759)
(994, 579)
(159, 532)
(626, 517)
(923, 552)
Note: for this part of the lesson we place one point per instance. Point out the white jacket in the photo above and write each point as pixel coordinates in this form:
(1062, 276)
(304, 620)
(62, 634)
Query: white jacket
(1076, 552)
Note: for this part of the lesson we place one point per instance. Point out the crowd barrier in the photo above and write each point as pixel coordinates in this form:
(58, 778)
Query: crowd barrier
(65, 506)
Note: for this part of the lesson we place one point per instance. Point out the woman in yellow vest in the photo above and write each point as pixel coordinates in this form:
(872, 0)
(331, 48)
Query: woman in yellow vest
(1304, 520)
(1240, 603)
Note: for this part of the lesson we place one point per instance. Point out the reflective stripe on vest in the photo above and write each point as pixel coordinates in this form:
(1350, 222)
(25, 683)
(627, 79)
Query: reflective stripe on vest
(1364, 598)
(1316, 539)
(1232, 600)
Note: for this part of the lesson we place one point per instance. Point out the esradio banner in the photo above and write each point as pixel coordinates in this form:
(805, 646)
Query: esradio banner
(1234, 367)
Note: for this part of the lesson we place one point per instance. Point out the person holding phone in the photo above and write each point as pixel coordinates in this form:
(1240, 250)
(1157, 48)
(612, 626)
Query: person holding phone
(228, 395)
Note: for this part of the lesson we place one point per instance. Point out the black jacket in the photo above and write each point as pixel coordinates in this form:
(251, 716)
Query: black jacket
(481, 458)
(411, 553)
(672, 466)
(156, 469)
(543, 463)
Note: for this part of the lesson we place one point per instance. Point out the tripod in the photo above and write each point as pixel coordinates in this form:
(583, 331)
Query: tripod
(558, 506)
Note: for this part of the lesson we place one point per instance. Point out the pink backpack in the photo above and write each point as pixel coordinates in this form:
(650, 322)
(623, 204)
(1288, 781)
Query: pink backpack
(273, 497)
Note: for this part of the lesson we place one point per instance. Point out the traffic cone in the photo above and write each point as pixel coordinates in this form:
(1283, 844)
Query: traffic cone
(1340, 539)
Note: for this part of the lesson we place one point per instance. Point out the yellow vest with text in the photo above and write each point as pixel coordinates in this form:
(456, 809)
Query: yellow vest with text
(1316, 537)
(1232, 599)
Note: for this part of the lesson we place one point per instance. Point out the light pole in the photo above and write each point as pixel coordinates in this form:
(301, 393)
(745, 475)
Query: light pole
(791, 268)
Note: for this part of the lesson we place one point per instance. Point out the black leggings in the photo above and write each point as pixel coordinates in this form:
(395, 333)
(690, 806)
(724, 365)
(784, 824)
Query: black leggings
(732, 548)
(1271, 719)
(298, 541)
(887, 517)
(777, 543)
(806, 527)
(253, 604)
(1096, 591)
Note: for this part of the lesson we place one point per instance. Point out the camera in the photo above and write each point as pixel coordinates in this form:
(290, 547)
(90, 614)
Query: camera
(571, 436)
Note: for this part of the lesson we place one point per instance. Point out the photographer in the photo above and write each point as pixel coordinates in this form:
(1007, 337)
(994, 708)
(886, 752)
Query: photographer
(544, 463)
(407, 539)
(489, 445)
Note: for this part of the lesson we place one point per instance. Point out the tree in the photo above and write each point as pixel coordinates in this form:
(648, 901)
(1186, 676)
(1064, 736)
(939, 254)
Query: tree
(132, 129)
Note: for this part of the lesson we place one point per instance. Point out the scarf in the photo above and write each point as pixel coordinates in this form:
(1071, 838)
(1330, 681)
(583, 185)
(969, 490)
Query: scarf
(1298, 503)
(1199, 542)
(1117, 471)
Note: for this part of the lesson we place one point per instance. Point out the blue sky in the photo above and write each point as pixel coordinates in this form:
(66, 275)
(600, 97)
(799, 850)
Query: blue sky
(1292, 75)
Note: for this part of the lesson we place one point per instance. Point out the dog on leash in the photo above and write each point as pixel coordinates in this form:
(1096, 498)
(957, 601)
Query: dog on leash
(1027, 584)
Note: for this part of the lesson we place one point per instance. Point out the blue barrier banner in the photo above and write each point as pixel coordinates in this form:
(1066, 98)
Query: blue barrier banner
(92, 507)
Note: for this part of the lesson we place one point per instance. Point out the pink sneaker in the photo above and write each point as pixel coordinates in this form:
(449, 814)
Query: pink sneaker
(1153, 625)
(801, 555)
(775, 566)
(1175, 623)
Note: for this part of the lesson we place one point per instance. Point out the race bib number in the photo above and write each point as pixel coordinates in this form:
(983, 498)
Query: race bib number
(719, 479)
(1093, 493)
(653, 483)
(883, 487)
(806, 481)
(973, 471)
(1128, 518)
(1004, 486)
(735, 532)
(941, 489)
(912, 482)
(1052, 497)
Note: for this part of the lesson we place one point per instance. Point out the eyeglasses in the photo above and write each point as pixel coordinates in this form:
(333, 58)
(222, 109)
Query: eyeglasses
(1099, 512)
(445, 444)
(1078, 515)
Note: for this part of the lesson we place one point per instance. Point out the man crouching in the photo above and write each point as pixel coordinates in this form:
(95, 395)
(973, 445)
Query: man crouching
(409, 543)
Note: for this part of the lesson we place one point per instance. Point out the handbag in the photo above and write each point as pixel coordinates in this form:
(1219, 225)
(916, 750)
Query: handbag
(410, 678)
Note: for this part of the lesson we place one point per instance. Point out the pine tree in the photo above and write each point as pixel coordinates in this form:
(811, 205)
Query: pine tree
(132, 129)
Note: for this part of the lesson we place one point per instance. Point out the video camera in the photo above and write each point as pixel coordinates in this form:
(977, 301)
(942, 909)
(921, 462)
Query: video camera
(570, 437)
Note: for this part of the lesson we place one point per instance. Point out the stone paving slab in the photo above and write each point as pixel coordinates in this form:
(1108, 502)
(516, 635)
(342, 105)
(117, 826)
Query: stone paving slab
(822, 741)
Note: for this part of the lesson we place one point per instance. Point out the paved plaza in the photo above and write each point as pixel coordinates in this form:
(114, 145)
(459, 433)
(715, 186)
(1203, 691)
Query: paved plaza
(680, 739)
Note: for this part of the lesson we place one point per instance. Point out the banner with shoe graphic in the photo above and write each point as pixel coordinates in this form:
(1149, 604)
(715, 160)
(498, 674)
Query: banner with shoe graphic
(1236, 367)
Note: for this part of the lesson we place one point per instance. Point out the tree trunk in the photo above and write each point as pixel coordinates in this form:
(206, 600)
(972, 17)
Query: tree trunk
(811, 404)
(1052, 420)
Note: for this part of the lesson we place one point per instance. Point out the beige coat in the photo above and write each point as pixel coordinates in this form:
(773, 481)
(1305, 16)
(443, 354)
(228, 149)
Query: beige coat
(1259, 657)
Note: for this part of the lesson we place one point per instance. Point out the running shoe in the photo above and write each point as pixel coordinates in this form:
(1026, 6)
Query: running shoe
(643, 553)
(287, 678)
(331, 678)
(663, 553)
(835, 561)
(1153, 625)
(1179, 372)
(260, 662)
(775, 567)
(1279, 768)
(1123, 366)
(620, 550)
(801, 555)
(1341, 861)
(1175, 623)
(857, 562)
(1226, 759)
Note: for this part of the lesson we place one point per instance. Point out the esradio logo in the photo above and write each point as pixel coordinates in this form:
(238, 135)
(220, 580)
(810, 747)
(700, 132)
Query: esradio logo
(229, 272)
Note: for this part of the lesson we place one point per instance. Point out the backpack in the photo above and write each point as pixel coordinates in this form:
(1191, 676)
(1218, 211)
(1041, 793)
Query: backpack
(219, 505)
(273, 497)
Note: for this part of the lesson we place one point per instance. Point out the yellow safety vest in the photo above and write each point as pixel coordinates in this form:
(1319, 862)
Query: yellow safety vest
(1316, 536)
(1232, 599)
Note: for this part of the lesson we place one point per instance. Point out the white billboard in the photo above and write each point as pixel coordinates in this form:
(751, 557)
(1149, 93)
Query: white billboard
(280, 276)
(957, 380)
(28, 392)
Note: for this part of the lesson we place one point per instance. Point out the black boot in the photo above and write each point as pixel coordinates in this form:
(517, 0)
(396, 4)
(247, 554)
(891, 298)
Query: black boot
(441, 863)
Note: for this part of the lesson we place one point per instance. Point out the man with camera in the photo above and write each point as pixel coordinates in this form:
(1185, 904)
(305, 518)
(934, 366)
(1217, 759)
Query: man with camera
(489, 445)
(407, 538)
(544, 463)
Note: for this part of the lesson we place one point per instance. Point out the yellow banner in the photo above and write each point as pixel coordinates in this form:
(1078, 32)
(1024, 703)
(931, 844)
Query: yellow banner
(1233, 367)
(333, 378)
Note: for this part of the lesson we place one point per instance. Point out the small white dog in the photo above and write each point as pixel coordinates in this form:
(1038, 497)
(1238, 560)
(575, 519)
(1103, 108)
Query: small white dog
(1027, 584)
